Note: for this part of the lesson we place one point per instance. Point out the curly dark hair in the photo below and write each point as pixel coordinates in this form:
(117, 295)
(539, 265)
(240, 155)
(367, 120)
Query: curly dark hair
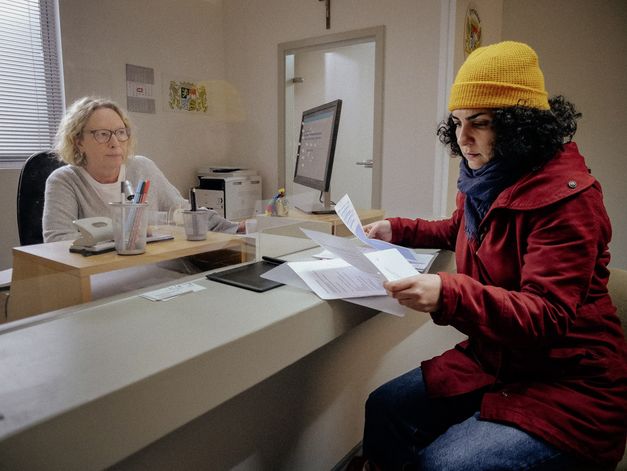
(528, 136)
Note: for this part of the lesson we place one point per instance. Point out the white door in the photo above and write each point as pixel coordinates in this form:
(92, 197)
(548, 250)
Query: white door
(316, 77)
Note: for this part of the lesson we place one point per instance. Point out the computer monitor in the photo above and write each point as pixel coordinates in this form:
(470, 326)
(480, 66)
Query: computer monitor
(316, 149)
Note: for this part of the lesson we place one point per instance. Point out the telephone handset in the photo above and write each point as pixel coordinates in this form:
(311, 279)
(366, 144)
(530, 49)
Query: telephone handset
(94, 230)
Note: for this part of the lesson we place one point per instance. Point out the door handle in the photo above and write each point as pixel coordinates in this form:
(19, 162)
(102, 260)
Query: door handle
(365, 163)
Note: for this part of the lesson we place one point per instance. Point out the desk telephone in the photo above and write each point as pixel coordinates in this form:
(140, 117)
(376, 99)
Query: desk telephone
(97, 236)
(94, 230)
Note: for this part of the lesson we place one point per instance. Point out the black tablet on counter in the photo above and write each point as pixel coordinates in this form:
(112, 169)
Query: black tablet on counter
(248, 276)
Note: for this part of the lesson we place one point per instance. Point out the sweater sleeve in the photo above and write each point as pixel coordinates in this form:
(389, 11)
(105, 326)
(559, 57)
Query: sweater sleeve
(61, 207)
(166, 195)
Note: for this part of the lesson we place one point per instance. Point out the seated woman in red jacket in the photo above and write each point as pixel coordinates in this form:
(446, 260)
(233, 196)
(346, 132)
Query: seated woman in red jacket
(541, 382)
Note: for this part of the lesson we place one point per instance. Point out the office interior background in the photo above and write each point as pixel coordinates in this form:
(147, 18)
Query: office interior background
(580, 43)
(233, 43)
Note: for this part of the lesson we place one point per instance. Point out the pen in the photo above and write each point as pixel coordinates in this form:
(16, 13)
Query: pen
(192, 198)
(276, 261)
(138, 191)
(144, 195)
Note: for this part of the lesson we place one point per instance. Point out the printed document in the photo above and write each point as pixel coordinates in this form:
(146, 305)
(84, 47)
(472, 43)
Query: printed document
(358, 271)
(347, 213)
(285, 274)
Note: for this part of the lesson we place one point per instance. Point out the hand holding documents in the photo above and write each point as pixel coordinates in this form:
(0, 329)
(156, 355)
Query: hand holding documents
(346, 211)
(359, 271)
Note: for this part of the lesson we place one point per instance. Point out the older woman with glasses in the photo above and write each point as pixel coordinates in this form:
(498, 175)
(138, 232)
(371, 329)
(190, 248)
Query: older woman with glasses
(95, 139)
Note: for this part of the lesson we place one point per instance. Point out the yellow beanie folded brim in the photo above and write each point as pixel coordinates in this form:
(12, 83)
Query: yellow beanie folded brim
(501, 75)
(496, 95)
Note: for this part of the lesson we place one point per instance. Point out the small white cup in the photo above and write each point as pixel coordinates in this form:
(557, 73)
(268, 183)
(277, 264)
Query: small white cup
(196, 224)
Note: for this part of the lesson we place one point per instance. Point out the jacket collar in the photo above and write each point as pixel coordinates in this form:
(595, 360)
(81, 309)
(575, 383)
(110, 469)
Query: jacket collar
(561, 177)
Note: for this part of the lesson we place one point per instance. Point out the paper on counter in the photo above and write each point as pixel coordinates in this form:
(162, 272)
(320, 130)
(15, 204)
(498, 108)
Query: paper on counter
(337, 279)
(323, 255)
(284, 274)
(170, 292)
(389, 263)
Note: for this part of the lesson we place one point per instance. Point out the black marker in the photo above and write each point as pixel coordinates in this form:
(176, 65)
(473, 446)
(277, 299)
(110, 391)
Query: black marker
(276, 261)
(192, 198)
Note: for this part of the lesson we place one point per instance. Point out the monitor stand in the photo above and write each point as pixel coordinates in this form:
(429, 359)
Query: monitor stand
(317, 208)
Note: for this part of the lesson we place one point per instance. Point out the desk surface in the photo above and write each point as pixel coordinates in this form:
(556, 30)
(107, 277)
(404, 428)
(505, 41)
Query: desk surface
(58, 255)
(48, 276)
(107, 378)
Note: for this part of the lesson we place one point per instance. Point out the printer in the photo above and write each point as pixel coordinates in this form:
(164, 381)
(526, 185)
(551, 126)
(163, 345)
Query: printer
(233, 192)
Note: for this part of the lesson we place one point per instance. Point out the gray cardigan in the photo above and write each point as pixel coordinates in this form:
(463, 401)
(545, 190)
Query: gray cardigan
(70, 196)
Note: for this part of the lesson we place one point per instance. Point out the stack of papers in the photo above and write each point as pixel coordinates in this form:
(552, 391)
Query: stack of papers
(358, 271)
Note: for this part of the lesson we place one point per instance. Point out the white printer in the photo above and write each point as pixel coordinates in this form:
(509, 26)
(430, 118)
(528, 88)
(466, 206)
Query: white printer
(230, 191)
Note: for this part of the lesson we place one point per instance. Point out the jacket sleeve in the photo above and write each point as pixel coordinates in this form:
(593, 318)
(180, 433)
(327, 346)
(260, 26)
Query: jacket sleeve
(558, 251)
(416, 233)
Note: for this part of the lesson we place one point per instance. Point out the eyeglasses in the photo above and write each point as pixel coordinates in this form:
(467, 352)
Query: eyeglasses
(104, 135)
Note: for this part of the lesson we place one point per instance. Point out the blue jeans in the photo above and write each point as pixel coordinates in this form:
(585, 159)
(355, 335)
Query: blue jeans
(407, 430)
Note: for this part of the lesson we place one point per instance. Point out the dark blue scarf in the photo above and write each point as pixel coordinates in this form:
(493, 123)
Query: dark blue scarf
(481, 188)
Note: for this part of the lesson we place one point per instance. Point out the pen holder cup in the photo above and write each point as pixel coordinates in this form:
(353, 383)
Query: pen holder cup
(196, 224)
(130, 222)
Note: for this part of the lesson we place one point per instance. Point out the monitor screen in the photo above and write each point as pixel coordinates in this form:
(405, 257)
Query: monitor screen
(316, 146)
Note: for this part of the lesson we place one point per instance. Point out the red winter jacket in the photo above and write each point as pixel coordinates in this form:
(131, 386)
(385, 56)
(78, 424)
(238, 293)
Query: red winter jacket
(543, 335)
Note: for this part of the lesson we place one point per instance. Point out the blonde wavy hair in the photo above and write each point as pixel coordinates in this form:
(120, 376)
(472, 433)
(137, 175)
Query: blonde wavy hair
(73, 124)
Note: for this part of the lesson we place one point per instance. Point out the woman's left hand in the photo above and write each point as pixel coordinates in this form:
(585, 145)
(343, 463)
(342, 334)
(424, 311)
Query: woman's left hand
(419, 292)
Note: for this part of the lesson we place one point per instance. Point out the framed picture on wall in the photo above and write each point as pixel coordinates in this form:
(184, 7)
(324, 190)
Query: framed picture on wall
(187, 96)
(472, 30)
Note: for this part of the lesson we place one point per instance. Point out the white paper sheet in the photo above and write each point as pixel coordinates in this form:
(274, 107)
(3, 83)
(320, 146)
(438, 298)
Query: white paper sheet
(170, 292)
(358, 273)
(347, 213)
(336, 279)
(389, 263)
(284, 274)
(343, 248)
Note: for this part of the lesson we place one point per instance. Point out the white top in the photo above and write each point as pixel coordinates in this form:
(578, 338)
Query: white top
(108, 192)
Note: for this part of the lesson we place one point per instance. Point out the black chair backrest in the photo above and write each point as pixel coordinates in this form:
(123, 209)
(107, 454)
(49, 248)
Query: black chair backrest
(30, 195)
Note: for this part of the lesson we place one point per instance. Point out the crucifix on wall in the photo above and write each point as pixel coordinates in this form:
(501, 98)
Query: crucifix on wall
(327, 4)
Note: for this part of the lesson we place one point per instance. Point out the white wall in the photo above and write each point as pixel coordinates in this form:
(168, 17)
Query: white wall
(581, 45)
(179, 40)
(253, 31)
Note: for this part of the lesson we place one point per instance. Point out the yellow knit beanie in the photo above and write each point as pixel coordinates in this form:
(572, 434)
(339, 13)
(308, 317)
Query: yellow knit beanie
(499, 76)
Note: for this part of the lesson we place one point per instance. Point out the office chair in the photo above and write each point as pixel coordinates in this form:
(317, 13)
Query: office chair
(30, 195)
(30, 208)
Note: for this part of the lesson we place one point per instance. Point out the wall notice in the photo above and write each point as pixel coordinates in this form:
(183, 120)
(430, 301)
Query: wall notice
(140, 82)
